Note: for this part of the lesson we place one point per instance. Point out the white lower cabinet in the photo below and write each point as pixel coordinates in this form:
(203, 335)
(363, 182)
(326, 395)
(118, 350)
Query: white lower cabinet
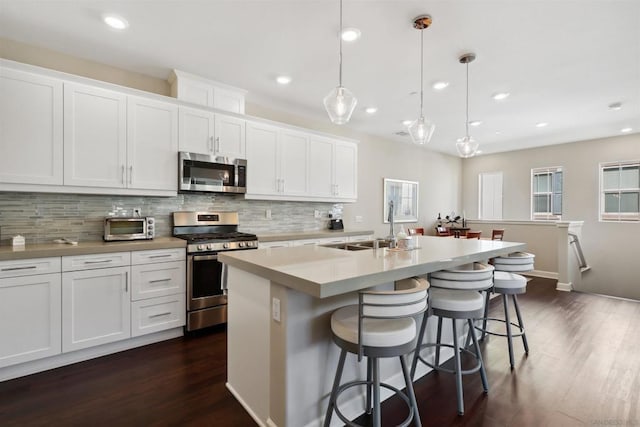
(31, 312)
(96, 308)
(281, 244)
(158, 314)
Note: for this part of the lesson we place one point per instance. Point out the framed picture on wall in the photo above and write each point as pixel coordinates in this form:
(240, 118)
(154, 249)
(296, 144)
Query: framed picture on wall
(404, 195)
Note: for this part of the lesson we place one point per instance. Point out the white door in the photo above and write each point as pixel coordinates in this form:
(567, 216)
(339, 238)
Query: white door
(95, 137)
(196, 130)
(346, 170)
(262, 159)
(230, 137)
(294, 158)
(96, 307)
(152, 145)
(30, 128)
(490, 190)
(321, 167)
(31, 313)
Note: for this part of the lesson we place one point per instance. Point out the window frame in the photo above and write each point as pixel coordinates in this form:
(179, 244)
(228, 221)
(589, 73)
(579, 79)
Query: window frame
(547, 216)
(627, 217)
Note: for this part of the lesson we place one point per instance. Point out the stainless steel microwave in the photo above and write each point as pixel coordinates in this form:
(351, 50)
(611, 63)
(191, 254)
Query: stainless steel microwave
(211, 174)
(126, 228)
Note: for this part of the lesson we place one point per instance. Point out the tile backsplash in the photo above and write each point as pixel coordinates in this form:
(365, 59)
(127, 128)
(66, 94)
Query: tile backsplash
(43, 217)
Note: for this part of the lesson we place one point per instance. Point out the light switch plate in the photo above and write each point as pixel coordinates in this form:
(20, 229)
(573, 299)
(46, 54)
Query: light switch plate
(275, 309)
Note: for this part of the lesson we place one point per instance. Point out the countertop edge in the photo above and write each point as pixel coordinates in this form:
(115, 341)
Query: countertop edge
(46, 250)
(316, 234)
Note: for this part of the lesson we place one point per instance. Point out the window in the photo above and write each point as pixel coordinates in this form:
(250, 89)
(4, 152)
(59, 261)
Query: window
(490, 195)
(546, 193)
(620, 191)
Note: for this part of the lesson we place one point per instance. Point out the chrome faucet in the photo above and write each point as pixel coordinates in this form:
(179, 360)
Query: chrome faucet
(391, 238)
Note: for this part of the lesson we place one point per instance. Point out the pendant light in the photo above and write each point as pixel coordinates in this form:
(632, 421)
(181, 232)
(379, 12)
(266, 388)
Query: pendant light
(421, 129)
(467, 146)
(340, 102)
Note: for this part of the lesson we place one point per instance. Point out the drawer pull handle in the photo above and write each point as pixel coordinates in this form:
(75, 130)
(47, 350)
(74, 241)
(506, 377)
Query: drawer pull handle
(160, 280)
(160, 256)
(98, 261)
(159, 315)
(30, 267)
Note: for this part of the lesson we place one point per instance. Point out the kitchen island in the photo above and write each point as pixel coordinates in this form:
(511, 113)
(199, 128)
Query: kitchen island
(280, 357)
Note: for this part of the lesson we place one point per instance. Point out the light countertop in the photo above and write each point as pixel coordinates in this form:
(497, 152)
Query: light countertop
(86, 248)
(324, 272)
(316, 234)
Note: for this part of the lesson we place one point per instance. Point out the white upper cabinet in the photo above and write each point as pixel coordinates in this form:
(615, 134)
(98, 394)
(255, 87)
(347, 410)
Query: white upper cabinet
(30, 128)
(286, 164)
(262, 159)
(152, 144)
(204, 132)
(95, 137)
(197, 90)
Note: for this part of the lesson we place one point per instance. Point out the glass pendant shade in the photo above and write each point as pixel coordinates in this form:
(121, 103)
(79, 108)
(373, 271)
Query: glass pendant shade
(467, 146)
(340, 104)
(421, 131)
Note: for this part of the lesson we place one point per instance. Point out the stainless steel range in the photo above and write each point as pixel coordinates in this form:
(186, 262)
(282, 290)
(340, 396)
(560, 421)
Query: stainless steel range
(207, 234)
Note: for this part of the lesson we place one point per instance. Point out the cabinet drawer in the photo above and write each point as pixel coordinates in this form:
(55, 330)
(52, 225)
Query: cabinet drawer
(28, 267)
(305, 242)
(158, 255)
(158, 314)
(282, 244)
(329, 240)
(89, 262)
(154, 280)
(362, 238)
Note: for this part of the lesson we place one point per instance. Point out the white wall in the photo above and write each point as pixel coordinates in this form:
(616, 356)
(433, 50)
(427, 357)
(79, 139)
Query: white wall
(611, 249)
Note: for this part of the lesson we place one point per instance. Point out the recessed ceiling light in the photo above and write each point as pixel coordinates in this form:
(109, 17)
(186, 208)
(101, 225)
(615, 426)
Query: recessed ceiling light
(116, 22)
(498, 132)
(350, 34)
(500, 96)
(615, 106)
(407, 122)
(626, 130)
(542, 124)
(440, 85)
(371, 110)
(475, 123)
(283, 80)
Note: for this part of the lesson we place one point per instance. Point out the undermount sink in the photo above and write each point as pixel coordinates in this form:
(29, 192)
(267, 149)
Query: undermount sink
(358, 246)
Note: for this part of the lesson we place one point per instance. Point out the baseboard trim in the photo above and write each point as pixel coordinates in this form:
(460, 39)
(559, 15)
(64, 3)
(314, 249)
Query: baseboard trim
(248, 408)
(565, 287)
(543, 274)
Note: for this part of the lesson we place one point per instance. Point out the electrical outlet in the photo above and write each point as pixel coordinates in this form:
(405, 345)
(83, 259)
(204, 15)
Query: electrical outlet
(267, 213)
(317, 214)
(275, 309)
(137, 212)
(358, 218)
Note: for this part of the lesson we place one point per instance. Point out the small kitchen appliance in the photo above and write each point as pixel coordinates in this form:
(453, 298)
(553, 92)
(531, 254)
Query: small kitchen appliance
(207, 234)
(129, 228)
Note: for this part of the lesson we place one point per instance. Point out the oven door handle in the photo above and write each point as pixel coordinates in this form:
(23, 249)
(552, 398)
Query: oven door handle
(225, 275)
(205, 257)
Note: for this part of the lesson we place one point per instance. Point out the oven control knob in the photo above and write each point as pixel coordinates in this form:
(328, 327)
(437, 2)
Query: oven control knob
(225, 245)
(241, 244)
(201, 247)
(210, 246)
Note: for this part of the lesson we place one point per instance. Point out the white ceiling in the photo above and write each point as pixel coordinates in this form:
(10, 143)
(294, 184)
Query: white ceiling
(562, 61)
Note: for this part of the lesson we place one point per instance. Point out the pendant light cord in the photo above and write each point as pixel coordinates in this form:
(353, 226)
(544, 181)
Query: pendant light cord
(340, 39)
(466, 123)
(421, 70)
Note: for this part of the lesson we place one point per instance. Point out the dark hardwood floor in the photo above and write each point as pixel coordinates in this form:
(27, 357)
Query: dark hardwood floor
(583, 369)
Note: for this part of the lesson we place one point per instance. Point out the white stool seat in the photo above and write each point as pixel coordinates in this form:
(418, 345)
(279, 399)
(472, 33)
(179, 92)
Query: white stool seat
(475, 285)
(516, 268)
(515, 258)
(507, 280)
(472, 271)
(452, 300)
(375, 332)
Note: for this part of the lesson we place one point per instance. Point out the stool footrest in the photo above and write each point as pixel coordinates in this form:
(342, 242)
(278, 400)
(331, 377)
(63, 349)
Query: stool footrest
(450, 371)
(397, 391)
(493, 319)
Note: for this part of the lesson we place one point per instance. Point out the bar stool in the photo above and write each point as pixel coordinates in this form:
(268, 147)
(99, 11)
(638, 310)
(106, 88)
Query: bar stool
(381, 325)
(505, 283)
(454, 295)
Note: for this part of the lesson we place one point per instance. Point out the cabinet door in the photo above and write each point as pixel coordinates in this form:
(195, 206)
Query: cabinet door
(30, 128)
(262, 159)
(195, 92)
(152, 145)
(196, 131)
(294, 157)
(95, 135)
(96, 307)
(31, 313)
(346, 170)
(158, 314)
(321, 167)
(230, 137)
(228, 100)
(155, 280)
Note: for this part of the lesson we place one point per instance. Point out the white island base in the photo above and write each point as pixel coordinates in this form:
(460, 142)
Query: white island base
(282, 371)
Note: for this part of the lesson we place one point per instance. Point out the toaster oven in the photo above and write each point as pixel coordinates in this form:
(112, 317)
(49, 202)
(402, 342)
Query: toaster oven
(127, 228)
